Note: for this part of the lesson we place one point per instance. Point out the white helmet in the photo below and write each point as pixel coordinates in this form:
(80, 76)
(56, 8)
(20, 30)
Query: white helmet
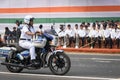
(28, 18)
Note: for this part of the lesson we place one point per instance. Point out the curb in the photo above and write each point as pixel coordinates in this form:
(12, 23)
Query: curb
(95, 50)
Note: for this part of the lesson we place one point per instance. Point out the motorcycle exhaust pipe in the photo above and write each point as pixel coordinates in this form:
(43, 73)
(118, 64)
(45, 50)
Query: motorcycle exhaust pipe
(11, 64)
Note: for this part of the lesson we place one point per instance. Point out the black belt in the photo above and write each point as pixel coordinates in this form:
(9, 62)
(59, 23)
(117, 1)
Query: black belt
(25, 39)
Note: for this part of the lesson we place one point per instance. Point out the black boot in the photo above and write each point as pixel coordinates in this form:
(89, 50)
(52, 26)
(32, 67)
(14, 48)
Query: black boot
(34, 63)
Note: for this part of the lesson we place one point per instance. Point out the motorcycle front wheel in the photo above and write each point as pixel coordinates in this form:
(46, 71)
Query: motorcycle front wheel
(59, 63)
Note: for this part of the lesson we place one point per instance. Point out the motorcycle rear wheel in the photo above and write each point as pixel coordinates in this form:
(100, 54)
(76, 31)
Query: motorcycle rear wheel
(13, 68)
(59, 64)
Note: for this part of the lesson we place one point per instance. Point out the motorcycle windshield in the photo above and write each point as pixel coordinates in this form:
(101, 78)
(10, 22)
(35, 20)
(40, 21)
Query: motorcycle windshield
(48, 36)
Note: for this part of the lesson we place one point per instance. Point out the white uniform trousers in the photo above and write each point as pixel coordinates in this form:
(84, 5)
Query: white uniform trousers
(28, 45)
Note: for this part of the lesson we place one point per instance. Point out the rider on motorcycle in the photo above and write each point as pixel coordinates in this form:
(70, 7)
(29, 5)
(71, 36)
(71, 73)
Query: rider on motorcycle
(27, 33)
(16, 58)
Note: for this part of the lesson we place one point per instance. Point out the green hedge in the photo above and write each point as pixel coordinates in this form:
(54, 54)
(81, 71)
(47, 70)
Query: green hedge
(61, 20)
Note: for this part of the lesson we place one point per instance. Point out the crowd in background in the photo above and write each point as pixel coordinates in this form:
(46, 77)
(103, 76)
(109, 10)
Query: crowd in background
(99, 34)
(104, 34)
(14, 35)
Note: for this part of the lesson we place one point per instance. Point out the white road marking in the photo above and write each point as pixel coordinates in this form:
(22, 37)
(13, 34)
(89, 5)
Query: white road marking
(56, 76)
(115, 79)
(87, 53)
(103, 59)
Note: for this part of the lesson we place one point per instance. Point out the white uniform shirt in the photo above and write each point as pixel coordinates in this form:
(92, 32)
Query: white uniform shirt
(61, 33)
(76, 31)
(100, 33)
(70, 32)
(101, 26)
(118, 33)
(113, 34)
(81, 33)
(106, 33)
(24, 30)
(87, 32)
(93, 33)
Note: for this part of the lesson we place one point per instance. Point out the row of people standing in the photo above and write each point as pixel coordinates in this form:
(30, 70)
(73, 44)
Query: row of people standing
(14, 35)
(105, 34)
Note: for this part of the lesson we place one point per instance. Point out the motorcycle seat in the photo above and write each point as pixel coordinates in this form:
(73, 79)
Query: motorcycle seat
(16, 45)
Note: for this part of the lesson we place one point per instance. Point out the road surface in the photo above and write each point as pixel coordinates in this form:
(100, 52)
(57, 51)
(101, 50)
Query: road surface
(84, 66)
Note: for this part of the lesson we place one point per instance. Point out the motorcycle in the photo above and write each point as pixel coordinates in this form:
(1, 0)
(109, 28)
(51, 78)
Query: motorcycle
(17, 58)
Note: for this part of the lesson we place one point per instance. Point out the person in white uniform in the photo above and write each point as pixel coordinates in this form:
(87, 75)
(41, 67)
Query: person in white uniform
(113, 33)
(106, 35)
(82, 34)
(93, 36)
(61, 35)
(27, 33)
(118, 35)
(99, 33)
(76, 36)
(69, 37)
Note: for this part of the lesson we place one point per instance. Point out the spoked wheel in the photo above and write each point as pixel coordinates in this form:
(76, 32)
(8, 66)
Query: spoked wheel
(13, 68)
(59, 64)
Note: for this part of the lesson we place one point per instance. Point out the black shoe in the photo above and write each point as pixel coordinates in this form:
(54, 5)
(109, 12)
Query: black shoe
(34, 63)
